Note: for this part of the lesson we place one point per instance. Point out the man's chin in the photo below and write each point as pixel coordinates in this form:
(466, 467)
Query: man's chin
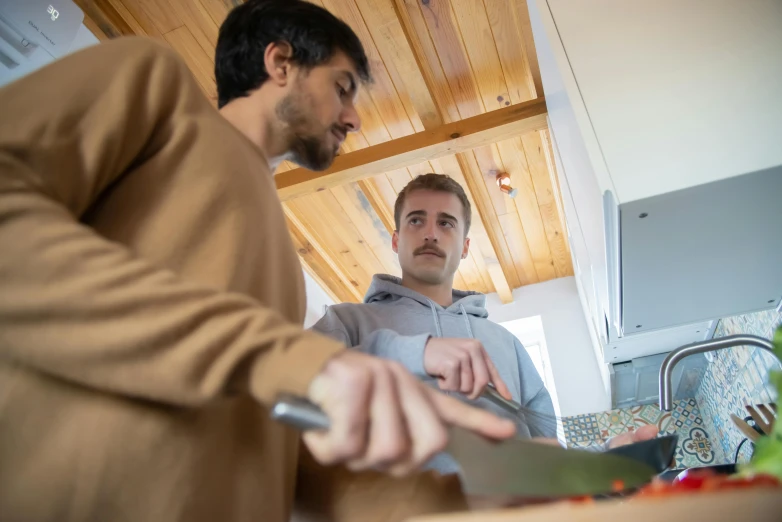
(317, 164)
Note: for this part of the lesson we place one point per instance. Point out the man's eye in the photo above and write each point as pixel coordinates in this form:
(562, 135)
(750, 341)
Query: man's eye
(446, 224)
(415, 221)
(341, 90)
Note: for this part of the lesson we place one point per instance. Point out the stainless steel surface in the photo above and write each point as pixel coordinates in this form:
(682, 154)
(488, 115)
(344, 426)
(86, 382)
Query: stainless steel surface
(491, 393)
(515, 467)
(666, 369)
(536, 470)
(299, 413)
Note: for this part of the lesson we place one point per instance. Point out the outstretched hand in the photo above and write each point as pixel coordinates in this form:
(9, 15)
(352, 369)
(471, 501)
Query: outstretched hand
(631, 437)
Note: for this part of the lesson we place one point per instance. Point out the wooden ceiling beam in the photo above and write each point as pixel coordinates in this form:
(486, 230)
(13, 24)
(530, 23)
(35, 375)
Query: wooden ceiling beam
(105, 16)
(423, 146)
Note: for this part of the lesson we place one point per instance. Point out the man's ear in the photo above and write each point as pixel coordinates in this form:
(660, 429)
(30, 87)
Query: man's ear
(395, 242)
(466, 248)
(277, 59)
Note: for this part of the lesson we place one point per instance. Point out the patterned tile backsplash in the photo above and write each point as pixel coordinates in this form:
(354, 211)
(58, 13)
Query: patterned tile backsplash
(735, 378)
(694, 448)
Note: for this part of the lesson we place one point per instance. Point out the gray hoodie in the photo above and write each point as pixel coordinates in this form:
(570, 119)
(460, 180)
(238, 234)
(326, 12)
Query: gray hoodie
(395, 323)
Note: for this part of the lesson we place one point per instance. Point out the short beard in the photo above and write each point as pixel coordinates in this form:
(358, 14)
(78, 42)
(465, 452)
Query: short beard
(305, 149)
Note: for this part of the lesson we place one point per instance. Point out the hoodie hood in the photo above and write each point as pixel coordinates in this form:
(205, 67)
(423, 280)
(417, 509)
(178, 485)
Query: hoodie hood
(388, 288)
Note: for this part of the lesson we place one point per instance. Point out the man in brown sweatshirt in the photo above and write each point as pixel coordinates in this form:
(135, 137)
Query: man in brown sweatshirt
(151, 300)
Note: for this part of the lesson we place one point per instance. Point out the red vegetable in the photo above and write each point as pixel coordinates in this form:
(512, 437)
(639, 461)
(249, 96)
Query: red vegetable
(617, 486)
(702, 480)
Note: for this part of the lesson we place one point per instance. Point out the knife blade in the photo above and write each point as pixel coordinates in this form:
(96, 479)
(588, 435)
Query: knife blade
(512, 467)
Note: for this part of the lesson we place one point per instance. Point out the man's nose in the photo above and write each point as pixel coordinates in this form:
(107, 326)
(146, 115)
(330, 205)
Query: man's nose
(350, 118)
(431, 233)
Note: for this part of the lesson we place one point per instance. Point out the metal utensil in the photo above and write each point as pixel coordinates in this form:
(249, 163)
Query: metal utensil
(513, 467)
(491, 393)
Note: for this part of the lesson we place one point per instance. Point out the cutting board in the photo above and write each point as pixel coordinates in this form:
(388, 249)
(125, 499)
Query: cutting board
(728, 506)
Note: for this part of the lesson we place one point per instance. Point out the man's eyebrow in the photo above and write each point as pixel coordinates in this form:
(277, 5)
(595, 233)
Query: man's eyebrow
(447, 216)
(416, 213)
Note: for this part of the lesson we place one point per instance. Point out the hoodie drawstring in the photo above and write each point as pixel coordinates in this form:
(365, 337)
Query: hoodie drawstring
(436, 319)
(466, 320)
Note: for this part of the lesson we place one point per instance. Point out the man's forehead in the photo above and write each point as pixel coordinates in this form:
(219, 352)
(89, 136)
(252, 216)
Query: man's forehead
(433, 202)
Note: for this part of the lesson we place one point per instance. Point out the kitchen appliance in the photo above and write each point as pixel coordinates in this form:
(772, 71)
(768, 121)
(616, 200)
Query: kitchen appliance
(34, 33)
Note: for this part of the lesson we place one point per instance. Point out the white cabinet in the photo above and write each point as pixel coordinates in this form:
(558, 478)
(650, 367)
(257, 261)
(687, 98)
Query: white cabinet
(666, 118)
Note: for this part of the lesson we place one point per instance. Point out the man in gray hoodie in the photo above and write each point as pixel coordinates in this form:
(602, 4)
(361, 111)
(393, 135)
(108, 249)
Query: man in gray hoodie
(440, 334)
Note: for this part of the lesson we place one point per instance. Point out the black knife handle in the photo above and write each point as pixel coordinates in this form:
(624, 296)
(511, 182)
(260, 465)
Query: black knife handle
(299, 413)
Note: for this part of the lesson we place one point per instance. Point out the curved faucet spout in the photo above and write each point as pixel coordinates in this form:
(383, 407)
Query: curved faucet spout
(666, 369)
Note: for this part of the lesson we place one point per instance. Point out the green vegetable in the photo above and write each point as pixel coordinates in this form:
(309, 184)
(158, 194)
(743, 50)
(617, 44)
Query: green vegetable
(767, 458)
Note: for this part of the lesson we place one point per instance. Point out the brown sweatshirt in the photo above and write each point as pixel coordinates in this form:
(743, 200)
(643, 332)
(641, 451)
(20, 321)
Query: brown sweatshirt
(150, 301)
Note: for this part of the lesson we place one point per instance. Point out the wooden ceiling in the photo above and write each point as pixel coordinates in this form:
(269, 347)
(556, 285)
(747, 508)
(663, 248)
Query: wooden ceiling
(439, 67)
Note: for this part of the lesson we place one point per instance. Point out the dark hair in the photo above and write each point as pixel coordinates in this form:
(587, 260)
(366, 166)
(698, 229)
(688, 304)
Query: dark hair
(437, 183)
(313, 33)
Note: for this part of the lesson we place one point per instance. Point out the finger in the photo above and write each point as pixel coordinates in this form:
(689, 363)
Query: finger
(467, 380)
(502, 388)
(451, 378)
(483, 422)
(645, 433)
(480, 371)
(387, 433)
(426, 430)
(346, 437)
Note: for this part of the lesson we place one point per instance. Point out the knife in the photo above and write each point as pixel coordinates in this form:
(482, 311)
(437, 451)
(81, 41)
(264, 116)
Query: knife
(512, 467)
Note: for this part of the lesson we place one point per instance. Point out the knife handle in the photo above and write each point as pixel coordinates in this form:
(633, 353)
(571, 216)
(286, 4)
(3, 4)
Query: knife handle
(491, 393)
(299, 413)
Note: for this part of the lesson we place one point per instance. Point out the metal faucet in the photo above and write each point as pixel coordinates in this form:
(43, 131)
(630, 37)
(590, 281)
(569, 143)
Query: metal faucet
(666, 369)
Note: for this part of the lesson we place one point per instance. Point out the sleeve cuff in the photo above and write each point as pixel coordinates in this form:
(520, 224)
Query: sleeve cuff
(292, 370)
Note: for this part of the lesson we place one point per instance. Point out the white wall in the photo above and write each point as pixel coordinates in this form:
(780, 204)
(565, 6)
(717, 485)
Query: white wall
(577, 375)
(317, 298)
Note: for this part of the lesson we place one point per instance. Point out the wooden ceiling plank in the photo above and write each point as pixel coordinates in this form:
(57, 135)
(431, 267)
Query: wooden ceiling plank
(330, 243)
(517, 243)
(536, 159)
(481, 248)
(500, 283)
(482, 53)
(527, 42)
(526, 201)
(157, 17)
(199, 22)
(476, 186)
(422, 146)
(375, 189)
(553, 174)
(377, 201)
(218, 9)
(399, 179)
(452, 54)
(183, 41)
(309, 248)
(95, 29)
(323, 213)
(389, 37)
(371, 229)
(383, 92)
(105, 16)
(490, 162)
(506, 27)
(317, 267)
(416, 32)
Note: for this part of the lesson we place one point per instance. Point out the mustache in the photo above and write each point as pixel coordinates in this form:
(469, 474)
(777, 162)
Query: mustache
(428, 249)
